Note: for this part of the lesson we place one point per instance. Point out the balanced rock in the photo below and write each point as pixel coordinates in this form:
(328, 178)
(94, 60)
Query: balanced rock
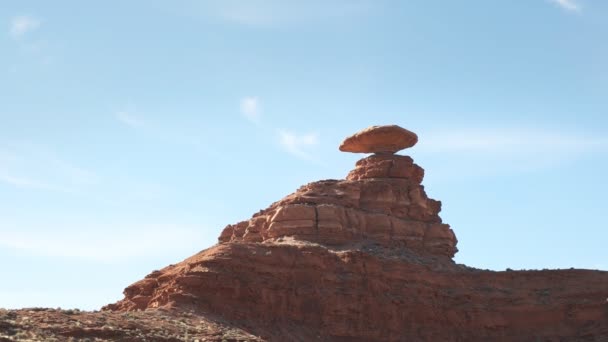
(379, 139)
(368, 258)
(381, 201)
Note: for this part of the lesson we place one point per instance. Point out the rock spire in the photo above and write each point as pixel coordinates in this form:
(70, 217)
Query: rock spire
(368, 258)
(381, 201)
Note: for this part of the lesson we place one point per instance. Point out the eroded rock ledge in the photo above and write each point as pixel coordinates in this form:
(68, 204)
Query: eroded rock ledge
(381, 201)
(368, 258)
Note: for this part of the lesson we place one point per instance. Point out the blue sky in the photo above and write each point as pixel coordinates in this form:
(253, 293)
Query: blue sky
(132, 132)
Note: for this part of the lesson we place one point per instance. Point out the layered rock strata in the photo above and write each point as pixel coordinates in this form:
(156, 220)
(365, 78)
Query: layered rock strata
(392, 211)
(369, 259)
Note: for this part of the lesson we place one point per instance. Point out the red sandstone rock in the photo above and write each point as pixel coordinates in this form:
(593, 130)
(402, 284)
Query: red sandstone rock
(368, 259)
(375, 294)
(388, 212)
(379, 139)
(387, 166)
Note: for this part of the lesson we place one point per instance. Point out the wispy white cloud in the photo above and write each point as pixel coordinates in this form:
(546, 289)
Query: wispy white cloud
(272, 13)
(507, 140)
(37, 49)
(21, 25)
(298, 144)
(250, 108)
(129, 119)
(174, 131)
(97, 243)
(568, 5)
(27, 183)
(247, 14)
(29, 166)
(459, 152)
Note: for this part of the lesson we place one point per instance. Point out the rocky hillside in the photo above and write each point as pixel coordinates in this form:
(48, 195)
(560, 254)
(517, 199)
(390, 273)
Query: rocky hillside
(369, 259)
(366, 258)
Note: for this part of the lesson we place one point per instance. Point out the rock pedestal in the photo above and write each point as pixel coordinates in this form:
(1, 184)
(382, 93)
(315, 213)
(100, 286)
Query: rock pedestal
(387, 166)
(369, 259)
(380, 202)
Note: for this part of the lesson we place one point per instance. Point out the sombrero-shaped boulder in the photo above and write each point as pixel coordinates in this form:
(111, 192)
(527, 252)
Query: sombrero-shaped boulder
(379, 139)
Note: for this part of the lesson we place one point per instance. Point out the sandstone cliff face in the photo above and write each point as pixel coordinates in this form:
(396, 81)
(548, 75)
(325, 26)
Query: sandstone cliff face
(369, 259)
(380, 202)
(299, 292)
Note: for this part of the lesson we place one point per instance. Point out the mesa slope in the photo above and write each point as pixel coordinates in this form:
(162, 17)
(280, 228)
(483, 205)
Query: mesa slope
(366, 258)
(369, 259)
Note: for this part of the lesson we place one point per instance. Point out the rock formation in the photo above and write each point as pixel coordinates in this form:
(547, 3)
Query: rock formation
(369, 259)
(379, 139)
